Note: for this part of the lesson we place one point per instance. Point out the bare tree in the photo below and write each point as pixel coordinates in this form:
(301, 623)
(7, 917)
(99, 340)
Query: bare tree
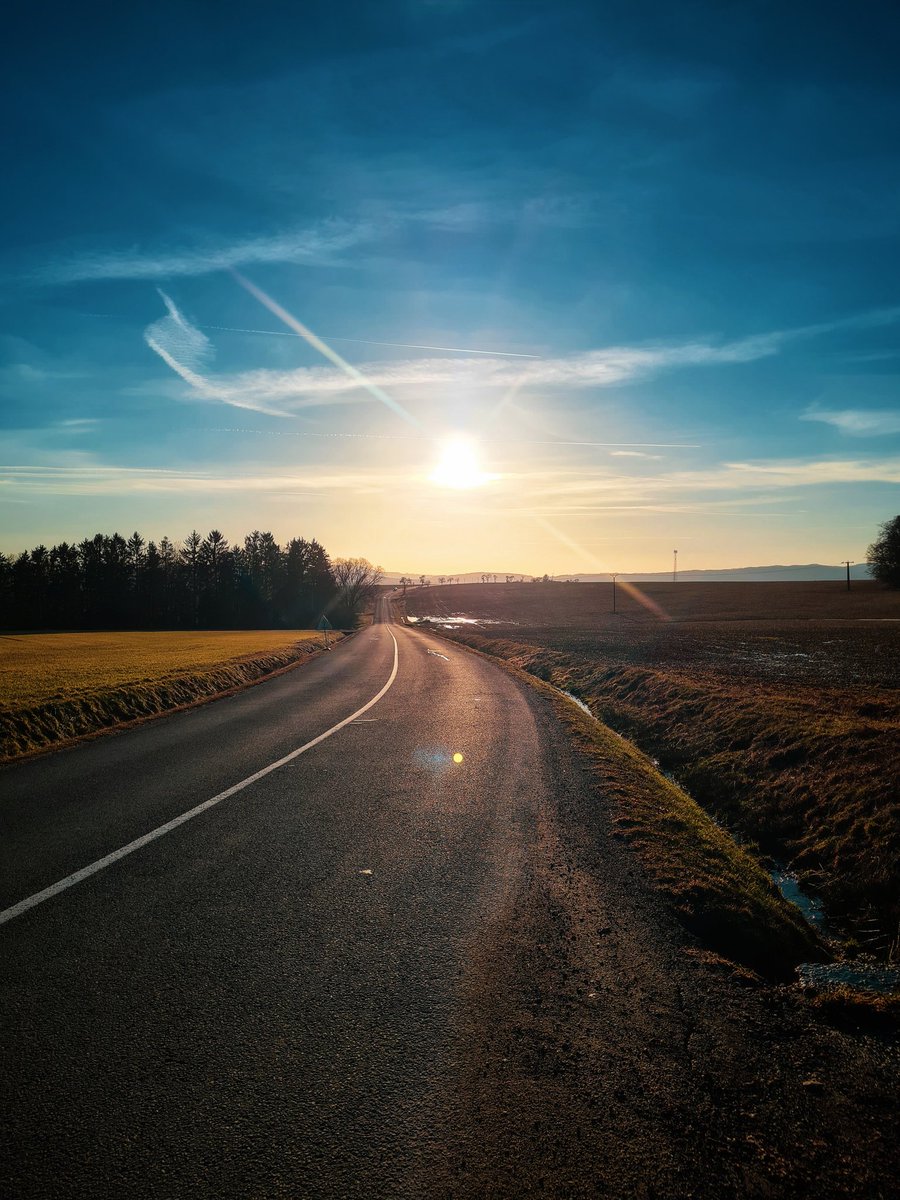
(357, 580)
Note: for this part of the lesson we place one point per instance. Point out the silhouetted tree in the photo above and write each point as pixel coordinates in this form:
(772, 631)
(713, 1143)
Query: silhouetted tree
(356, 580)
(884, 554)
(108, 582)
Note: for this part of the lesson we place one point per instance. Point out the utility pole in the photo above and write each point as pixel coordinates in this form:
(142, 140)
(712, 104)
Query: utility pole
(675, 566)
(615, 575)
(848, 562)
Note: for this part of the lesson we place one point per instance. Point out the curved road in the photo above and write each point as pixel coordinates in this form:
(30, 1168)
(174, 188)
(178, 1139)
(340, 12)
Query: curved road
(413, 960)
(263, 1000)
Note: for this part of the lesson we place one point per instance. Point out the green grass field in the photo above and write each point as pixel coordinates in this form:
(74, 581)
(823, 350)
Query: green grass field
(37, 667)
(59, 686)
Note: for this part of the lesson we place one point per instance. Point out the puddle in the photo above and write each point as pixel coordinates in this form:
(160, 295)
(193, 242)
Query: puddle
(581, 704)
(865, 977)
(789, 886)
(880, 980)
(454, 622)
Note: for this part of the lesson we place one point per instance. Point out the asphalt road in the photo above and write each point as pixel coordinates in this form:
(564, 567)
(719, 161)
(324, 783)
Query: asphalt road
(263, 1000)
(376, 971)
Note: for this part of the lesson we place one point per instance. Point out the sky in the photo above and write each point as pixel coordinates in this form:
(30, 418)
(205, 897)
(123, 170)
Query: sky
(455, 285)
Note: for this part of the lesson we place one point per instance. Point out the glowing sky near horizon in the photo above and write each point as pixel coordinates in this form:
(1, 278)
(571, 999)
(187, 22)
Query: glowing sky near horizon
(456, 286)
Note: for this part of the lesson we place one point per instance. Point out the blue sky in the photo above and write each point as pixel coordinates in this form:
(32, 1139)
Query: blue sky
(643, 259)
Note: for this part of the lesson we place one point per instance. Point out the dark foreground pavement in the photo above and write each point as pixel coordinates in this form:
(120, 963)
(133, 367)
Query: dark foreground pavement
(379, 972)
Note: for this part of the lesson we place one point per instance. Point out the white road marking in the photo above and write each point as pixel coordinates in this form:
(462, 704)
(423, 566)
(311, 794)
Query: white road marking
(8, 914)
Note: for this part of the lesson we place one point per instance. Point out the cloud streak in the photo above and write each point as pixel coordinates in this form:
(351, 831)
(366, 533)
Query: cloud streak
(176, 338)
(369, 342)
(539, 492)
(321, 244)
(282, 392)
(186, 350)
(857, 422)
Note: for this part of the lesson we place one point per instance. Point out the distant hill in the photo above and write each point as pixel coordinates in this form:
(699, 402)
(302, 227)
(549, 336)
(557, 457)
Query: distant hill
(775, 574)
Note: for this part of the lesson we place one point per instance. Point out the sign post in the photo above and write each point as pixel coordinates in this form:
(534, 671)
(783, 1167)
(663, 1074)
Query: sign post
(325, 625)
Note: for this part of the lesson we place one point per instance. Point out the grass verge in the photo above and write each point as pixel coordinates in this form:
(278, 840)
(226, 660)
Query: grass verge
(718, 891)
(808, 773)
(55, 688)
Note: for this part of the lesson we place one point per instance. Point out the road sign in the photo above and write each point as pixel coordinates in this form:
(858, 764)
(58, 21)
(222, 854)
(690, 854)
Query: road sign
(324, 623)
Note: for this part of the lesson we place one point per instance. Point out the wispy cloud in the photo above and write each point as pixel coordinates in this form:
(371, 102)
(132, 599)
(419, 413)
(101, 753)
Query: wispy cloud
(727, 488)
(632, 454)
(76, 425)
(572, 491)
(282, 392)
(116, 481)
(286, 333)
(177, 339)
(356, 377)
(857, 422)
(186, 350)
(319, 244)
(875, 318)
(24, 374)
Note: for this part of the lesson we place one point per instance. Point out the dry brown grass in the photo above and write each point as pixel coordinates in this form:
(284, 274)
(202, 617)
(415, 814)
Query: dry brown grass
(788, 730)
(56, 687)
(717, 890)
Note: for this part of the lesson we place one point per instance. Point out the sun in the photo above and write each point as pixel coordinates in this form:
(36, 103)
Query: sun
(458, 465)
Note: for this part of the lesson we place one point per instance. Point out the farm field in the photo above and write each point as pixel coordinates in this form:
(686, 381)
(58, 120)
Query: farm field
(810, 632)
(35, 667)
(55, 686)
(775, 705)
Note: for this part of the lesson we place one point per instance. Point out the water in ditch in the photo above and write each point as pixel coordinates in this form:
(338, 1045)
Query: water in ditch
(872, 977)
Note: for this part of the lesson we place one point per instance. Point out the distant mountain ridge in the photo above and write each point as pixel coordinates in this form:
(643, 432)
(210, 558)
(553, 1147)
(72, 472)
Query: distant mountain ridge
(773, 574)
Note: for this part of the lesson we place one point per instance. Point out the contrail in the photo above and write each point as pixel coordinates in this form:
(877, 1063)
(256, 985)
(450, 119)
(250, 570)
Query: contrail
(316, 342)
(368, 342)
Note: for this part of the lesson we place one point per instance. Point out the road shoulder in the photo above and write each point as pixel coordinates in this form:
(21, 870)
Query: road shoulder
(609, 1053)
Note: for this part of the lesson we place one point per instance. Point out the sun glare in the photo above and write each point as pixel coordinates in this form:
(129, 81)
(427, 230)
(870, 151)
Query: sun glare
(458, 465)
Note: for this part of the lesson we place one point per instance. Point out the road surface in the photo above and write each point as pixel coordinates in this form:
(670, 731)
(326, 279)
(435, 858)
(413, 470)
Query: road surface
(407, 961)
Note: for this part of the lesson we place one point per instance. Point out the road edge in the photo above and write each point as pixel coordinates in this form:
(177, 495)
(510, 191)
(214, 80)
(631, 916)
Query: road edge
(67, 743)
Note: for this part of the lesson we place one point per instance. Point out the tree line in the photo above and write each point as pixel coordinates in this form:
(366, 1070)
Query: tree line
(110, 582)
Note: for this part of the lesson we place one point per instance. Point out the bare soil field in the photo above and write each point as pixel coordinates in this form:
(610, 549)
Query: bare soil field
(803, 632)
(775, 705)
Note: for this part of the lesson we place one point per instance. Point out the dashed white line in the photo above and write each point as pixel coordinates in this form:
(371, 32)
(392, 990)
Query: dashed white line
(8, 914)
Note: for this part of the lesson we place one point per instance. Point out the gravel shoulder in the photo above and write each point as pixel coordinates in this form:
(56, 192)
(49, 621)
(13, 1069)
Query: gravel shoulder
(611, 1055)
